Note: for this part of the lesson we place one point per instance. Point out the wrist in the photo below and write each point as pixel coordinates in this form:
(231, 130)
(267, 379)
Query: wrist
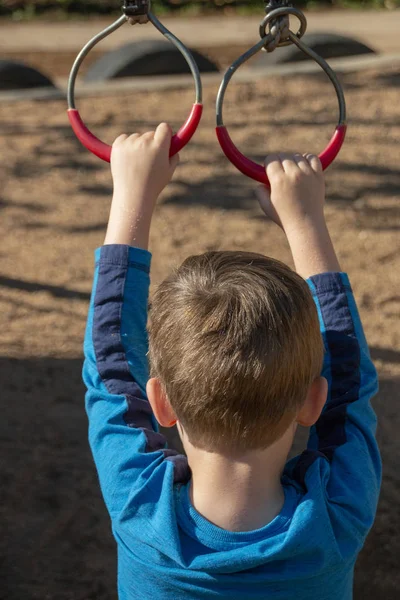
(130, 221)
(312, 249)
(133, 199)
(306, 225)
(134, 235)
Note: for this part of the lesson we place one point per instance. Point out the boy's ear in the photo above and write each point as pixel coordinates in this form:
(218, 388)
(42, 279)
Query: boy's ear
(159, 402)
(311, 410)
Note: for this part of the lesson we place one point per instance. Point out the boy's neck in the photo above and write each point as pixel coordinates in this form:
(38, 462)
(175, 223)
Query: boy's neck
(239, 493)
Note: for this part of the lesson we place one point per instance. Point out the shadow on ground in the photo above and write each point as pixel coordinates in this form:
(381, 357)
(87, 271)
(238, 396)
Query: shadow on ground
(362, 180)
(55, 533)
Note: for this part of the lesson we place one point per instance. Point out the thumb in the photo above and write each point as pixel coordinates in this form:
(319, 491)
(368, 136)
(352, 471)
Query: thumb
(264, 199)
(263, 195)
(174, 162)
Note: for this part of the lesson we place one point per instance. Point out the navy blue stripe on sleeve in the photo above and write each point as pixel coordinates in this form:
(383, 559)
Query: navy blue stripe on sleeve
(342, 367)
(110, 353)
(111, 296)
(344, 351)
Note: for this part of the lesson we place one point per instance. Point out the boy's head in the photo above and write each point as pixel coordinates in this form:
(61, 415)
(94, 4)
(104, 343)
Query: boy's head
(235, 343)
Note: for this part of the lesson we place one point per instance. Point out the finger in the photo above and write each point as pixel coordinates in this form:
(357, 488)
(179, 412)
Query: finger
(120, 139)
(314, 162)
(149, 135)
(273, 165)
(289, 163)
(134, 137)
(303, 163)
(163, 134)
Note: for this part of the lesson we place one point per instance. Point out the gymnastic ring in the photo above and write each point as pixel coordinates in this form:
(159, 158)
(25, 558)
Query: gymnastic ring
(103, 150)
(244, 164)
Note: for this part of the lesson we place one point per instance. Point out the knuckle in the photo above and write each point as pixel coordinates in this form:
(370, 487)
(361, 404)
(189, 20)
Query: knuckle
(298, 176)
(278, 179)
(133, 138)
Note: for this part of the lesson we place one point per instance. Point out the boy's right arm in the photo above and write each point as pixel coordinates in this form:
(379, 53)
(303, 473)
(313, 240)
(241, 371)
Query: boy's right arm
(344, 435)
(130, 455)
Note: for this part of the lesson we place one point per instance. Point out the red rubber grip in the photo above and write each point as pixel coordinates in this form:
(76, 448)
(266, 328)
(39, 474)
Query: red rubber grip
(256, 171)
(103, 151)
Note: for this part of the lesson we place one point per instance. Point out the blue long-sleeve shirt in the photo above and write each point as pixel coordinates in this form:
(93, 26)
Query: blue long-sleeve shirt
(166, 549)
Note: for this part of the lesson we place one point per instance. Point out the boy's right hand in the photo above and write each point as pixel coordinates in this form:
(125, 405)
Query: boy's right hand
(141, 168)
(297, 190)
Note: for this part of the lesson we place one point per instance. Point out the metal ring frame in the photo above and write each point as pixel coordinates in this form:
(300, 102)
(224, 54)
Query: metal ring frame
(239, 160)
(87, 138)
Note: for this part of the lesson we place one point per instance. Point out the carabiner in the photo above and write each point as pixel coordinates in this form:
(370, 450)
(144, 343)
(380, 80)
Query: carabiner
(241, 162)
(86, 137)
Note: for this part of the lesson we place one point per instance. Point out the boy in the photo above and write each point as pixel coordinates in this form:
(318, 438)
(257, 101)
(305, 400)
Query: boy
(236, 354)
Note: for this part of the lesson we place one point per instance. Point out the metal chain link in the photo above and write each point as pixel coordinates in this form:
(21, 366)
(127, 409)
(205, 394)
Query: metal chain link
(277, 21)
(279, 27)
(279, 32)
(136, 11)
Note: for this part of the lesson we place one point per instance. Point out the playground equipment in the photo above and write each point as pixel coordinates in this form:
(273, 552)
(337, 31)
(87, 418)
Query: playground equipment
(274, 32)
(279, 34)
(18, 76)
(134, 11)
(143, 59)
(327, 45)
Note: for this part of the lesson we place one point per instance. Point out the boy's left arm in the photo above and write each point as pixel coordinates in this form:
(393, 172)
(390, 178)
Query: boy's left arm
(122, 429)
(342, 451)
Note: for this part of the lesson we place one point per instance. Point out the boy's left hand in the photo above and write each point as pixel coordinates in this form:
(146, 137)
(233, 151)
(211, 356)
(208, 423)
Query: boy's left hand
(141, 168)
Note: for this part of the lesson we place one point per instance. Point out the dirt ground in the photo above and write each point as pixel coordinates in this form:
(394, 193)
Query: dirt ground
(55, 540)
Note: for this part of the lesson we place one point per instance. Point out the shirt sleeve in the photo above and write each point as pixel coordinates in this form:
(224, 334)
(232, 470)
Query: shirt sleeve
(123, 435)
(344, 436)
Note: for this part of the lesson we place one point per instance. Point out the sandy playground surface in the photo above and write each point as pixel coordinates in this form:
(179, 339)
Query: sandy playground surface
(55, 541)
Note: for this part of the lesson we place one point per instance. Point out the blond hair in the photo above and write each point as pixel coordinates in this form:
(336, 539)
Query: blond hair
(235, 341)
